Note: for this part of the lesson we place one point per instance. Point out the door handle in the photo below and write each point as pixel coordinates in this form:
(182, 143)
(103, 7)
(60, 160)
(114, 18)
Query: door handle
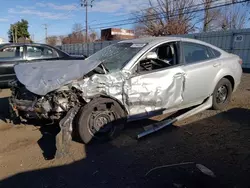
(217, 64)
(179, 75)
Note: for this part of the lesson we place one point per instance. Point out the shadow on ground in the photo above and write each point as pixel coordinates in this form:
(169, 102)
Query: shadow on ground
(221, 143)
(47, 142)
(4, 106)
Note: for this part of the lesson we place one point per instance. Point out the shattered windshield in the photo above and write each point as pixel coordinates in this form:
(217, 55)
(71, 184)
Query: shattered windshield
(114, 57)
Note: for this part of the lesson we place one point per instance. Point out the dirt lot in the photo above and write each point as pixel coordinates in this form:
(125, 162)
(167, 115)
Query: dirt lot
(218, 140)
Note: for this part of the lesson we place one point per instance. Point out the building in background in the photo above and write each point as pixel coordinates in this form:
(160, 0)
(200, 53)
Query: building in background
(1, 40)
(117, 34)
(23, 40)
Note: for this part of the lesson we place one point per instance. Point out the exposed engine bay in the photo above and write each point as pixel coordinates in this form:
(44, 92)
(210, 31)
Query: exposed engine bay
(52, 106)
(59, 106)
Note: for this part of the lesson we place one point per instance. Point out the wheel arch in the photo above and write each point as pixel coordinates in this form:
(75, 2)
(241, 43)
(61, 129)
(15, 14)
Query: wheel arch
(231, 79)
(123, 107)
(223, 74)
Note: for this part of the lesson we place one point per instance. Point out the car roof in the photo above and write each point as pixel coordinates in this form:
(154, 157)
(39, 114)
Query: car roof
(151, 41)
(40, 44)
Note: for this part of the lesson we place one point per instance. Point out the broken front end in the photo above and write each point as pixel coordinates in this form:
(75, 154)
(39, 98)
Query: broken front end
(53, 106)
(60, 106)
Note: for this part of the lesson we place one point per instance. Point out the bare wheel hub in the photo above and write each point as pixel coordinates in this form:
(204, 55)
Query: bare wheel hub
(222, 94)
(100, 121)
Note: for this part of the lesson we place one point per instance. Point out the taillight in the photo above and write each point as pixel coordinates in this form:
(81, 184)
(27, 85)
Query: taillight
(240, 61)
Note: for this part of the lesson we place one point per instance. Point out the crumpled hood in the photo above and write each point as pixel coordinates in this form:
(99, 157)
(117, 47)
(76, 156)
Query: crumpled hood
(46, 76)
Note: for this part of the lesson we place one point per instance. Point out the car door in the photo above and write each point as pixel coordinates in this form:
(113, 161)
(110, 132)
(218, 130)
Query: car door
(39, 52)
(200, 67)
(151, 89)
(9, 56)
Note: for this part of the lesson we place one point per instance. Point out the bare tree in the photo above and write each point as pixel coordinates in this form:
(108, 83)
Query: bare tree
(210, 15)
(140, 31)
(77, 27)
(52, 40)
(166, 17)
(60, 38)
(232, 18)
(92, 36)
(77, 35)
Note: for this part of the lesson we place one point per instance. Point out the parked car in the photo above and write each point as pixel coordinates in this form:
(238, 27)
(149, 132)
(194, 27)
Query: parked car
(11, 54)
(127, 81)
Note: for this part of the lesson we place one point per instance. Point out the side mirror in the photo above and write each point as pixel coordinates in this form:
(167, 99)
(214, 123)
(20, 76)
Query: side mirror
(151, 55)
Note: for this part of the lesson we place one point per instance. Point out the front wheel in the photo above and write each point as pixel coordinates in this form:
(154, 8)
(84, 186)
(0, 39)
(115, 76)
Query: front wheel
(222, 94)
(101, 119)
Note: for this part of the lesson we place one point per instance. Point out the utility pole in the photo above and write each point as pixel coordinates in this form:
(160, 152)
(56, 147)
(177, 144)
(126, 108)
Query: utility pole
(46, 32)
(13, 34)
(86, 4)
(16, 33)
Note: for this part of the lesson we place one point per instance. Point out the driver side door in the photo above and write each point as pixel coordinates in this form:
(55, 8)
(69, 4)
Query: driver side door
(156, 88)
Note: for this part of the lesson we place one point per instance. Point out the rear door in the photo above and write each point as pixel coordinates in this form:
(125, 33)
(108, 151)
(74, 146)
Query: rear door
(201, 67)
(9, 56)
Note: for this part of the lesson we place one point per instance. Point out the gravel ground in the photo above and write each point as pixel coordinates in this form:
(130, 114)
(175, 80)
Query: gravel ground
(219, 140)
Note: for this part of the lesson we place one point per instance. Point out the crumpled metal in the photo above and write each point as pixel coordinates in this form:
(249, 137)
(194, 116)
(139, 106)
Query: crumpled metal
(138, 93)
(112, 84)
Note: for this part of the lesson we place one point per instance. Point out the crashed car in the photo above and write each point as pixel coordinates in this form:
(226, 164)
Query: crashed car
(126, 81)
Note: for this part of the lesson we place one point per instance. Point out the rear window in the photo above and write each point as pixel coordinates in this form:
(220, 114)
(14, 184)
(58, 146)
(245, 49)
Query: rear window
(11, 52)
(216, 53)
(40, 52)
(194, 52)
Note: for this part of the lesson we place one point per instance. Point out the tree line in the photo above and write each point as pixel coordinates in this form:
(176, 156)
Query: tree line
(172, 17)
(76, 36)
(163, 17)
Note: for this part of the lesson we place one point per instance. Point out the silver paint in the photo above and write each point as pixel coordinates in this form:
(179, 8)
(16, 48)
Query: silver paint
(170, 88)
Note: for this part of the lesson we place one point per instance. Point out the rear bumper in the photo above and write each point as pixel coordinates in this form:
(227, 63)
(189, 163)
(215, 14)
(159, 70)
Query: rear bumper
(238, 79)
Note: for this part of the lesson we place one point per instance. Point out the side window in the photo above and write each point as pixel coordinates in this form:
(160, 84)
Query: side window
(163, 56)
(215, 52)
(195, 52)
(39, 52)
(11, 52)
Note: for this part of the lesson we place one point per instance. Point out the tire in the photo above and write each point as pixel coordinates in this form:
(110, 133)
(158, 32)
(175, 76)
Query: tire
(222, 94)
(102, 112)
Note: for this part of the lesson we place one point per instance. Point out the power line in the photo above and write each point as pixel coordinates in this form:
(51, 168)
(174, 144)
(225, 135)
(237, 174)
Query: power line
(156, 14)
(86, 4)
(152, 19)
(74, 7)
(164, 16)
(128, 19)
(46, 32)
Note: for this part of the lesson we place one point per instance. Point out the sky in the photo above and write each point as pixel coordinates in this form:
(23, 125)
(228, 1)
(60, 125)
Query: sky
(61, 15)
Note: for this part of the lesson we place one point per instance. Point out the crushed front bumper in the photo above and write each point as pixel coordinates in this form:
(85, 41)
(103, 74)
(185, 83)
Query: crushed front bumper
(24, 109)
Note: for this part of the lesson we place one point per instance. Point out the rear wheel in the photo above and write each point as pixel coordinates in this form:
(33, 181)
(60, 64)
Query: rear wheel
(222, 94)
(102, 119)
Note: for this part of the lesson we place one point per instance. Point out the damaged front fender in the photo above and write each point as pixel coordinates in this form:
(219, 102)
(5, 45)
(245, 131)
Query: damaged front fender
(64, 137)
(139, 93)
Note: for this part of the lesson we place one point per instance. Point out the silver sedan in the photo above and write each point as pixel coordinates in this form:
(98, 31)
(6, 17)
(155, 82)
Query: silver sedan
(129, 80)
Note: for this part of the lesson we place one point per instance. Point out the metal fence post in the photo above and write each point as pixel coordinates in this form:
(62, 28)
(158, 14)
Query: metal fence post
(232, 42)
